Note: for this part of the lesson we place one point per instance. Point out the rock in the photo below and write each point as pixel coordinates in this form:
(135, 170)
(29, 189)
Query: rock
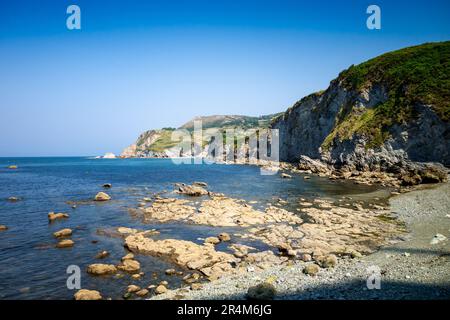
(102, 196)
(283, 248)
(127, 295)
(133, 288)
(128, 256)
(311, 269)
(126, 231)
(212, 240)
(107, 185)
(315, 166)
(102, 255)
(65, 244)
(136, 276)
(142, 293)
(224, 237)
(99, 269)
(85, 294)
(160, 289)
(196, 286)
(240, 250)
(286, 176)
(63, 233)
(305, 257)
(193, 191)
(191, 278)
(200, 184)
(170, 272)
(203, 258)
(12, 167)
(355, 254)
(130, 265)
(13, 199)
(329, 261)
(263, 291)
(438, 238)
(3, 227)
(54, 216)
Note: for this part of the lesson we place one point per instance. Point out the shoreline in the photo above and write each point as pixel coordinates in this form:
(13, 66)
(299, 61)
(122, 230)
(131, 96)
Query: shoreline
(411, 267)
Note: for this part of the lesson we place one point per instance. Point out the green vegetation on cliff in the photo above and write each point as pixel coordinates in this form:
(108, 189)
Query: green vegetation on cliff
(412, 76)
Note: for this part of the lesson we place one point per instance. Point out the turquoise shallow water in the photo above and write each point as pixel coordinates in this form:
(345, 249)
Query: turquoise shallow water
(30, 266)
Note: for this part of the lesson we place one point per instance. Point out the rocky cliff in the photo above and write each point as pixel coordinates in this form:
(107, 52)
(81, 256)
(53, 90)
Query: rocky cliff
(386, 114)
(156, 143)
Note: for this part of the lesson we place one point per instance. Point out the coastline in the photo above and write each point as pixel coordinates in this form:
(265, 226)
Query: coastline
(411, 268)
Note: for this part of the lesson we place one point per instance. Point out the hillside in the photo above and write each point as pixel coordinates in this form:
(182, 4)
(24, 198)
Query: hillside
(377, 115)
(155, 143)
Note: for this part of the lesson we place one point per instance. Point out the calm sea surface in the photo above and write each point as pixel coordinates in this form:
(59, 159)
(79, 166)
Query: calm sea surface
(32, 268)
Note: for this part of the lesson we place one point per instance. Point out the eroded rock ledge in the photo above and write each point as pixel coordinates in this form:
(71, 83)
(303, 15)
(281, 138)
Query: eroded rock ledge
(326, 231)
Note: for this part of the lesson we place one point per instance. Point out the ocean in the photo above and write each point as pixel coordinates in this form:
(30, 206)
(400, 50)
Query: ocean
(32, 268)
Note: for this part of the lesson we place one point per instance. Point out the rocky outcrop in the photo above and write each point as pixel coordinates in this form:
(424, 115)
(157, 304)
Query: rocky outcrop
(203, 258)
(370, 121)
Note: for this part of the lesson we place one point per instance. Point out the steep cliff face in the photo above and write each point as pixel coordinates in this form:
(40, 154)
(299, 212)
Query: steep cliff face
(389, 110)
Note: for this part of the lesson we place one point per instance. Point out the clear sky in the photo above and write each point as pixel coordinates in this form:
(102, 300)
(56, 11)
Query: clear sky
(137, 65)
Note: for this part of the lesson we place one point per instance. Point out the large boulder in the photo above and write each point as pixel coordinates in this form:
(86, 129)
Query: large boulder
(85, 294)
(102, 196)
(99, 269)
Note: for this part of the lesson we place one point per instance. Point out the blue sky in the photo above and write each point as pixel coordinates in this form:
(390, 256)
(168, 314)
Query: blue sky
(137, 65)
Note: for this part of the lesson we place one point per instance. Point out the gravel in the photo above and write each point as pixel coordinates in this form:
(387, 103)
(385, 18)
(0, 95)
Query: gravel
(408, 268)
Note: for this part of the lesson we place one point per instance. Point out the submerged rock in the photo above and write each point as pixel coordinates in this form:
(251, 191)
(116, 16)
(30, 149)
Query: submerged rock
(63, 233)
(107, 185)
(102, 196)
(85, 294)
(54, 216)
(13, 199)
(12, 167)
(3, 227)
(65, 244)
(286, 176)
(102, 255)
